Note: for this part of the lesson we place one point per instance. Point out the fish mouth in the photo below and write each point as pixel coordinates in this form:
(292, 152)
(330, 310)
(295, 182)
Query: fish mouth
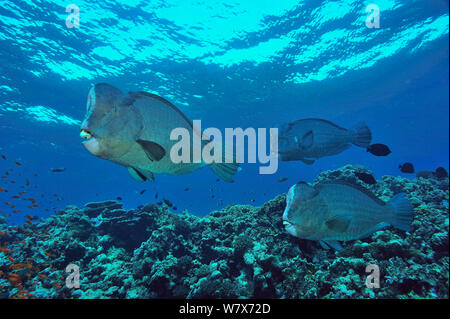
(290, 228)
(283, 153)
(287, 223)
(86, 135)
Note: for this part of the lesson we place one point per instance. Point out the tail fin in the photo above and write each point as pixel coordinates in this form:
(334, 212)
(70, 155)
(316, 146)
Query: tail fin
(402, 215)
(361, 135)
(225, 170)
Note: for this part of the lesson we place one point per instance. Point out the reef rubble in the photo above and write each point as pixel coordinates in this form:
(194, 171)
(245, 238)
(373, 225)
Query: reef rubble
(240, 251)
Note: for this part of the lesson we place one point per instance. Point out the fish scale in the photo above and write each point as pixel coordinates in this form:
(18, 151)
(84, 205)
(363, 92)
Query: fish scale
(373, 213)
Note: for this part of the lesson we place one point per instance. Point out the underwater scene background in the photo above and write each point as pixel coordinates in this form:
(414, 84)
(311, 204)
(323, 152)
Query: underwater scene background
(231, 64)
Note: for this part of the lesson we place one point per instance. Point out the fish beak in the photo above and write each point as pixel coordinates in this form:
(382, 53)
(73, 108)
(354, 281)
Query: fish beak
(85, 134)
(290, 228)
(286, 223)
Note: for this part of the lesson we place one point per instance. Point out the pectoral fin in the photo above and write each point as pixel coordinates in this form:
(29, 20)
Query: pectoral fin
(339, 224)
(154, 151)
(136, 174)
(140, 176)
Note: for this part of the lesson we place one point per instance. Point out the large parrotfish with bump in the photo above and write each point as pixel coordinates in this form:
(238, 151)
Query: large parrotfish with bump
(336, 212)
(133, 130)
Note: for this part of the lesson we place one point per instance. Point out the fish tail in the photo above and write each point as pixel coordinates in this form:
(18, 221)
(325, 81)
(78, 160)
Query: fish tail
(361, 135)
(225, 170)
(403, 213)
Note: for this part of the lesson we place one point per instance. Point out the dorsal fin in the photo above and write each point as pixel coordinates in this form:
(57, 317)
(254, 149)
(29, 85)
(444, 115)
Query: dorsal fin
(354, 186)
(315, 119)
(136, 95)
(141, 94)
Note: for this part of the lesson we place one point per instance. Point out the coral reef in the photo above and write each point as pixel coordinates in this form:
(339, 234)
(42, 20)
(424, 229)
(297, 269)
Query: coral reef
(239, 252)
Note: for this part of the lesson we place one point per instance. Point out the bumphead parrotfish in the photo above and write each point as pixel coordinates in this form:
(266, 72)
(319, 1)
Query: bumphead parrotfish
(339, 212)
(310, 139)
(133, 130)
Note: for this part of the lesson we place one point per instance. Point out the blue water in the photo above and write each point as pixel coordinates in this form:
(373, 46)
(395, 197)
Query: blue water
(240, 63)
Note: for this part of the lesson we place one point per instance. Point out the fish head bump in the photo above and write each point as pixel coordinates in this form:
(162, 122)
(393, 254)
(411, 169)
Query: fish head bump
(300, 217)
(110, 126)
(289, 147)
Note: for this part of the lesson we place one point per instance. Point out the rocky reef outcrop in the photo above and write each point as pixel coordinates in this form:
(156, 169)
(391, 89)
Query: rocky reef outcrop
(240, 251)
